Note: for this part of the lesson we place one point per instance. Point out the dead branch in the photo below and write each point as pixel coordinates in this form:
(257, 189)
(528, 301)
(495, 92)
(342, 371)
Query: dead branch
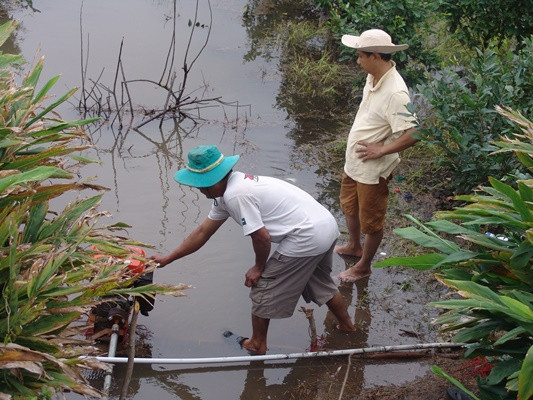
(106, 102)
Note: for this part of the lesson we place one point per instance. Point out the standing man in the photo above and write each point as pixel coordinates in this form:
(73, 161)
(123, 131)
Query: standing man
(381, 129)
(270, 211)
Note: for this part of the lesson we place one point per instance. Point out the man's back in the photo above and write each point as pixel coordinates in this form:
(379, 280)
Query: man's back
(293, 218)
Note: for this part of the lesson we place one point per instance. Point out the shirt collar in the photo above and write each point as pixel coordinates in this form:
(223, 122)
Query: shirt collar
(370, 78)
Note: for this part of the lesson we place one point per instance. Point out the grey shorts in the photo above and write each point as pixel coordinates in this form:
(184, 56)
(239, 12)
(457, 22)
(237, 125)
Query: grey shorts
(286, 278)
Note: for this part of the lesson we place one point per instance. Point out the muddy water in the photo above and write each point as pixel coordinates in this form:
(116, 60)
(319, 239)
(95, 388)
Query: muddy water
(138, 165)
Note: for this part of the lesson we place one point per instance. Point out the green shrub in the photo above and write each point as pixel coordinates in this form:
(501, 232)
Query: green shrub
(406, 21)
(481, 22)
(462, 121)
(490, 266)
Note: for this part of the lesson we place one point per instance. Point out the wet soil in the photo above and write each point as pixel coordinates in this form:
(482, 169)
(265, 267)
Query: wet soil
(428, 387)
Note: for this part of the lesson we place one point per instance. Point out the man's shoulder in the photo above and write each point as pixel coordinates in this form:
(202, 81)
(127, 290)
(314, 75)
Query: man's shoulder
(239, 179)
(241, 184)
(395, 83)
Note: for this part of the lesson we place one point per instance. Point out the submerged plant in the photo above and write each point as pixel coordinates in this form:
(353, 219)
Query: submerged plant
(490, 267)
(49, 276)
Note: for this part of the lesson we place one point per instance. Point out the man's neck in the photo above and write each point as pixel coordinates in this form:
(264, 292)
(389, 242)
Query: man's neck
(381, 69)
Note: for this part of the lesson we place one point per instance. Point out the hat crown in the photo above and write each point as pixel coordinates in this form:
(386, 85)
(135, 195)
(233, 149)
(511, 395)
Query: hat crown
(204, 158)
(373, 40)
(375, 37)
(206, 167)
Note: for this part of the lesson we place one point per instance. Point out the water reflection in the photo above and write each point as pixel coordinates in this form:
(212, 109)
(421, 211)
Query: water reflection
(317, 378)
(306, 378)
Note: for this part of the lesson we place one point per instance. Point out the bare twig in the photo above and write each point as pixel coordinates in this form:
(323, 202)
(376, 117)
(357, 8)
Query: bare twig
(125, 85)
(345, 376)
(84, 104)
(165, 107)
(114, 92)
(171, 50)
(186, 68)
(90, 93)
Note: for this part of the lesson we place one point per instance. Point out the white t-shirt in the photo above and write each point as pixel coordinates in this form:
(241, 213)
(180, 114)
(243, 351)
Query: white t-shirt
(294, 219)
(381, 115)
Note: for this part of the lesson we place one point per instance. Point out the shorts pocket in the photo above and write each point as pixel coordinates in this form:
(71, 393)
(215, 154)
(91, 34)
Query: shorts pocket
(258, 292)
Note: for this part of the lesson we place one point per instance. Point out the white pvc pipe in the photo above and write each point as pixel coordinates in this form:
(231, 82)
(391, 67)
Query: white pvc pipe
(112, 349)
(214, 360)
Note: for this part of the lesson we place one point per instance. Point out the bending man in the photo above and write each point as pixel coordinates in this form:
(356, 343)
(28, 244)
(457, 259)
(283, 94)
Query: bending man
(270, 211)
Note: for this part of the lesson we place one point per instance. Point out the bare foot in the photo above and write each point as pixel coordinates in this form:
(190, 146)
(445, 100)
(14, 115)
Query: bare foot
(354, 274)
(253, 350)
(345, 328)
(347, 250)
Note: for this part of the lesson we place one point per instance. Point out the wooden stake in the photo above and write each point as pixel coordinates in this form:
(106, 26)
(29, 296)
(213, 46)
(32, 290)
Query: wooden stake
(131, 352)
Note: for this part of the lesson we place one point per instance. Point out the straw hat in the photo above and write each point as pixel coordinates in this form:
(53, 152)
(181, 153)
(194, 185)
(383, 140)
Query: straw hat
(373, 40)
(207, 166)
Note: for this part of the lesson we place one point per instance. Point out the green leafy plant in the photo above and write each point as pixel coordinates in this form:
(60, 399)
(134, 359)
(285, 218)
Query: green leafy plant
(489, 264)
(475, 25)
(406, 21)
(461, 121)
(49, 276)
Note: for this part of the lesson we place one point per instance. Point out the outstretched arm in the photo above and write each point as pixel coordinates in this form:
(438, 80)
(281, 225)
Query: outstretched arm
(193, 242)
(370, 151)
(261, 245)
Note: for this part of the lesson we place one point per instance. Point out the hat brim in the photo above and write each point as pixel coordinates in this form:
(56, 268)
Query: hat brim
(206, 179)
(353, 42)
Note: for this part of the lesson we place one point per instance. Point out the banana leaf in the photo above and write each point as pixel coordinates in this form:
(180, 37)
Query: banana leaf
(50, 323)
(421, 262)
(6, 29)
(514, 196)
(525, 381)
(36, 174)
(425, 240)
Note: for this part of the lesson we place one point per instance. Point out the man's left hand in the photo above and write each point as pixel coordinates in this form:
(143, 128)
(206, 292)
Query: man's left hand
(369, 151)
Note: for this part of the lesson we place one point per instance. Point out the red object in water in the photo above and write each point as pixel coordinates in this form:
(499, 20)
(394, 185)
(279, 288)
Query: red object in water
(135, 266)
(319, 344)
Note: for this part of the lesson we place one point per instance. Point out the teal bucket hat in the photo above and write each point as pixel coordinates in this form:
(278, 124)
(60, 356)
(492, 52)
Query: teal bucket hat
(207, 166)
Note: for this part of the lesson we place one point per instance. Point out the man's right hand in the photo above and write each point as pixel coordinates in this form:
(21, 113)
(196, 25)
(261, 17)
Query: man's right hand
(160, 260)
